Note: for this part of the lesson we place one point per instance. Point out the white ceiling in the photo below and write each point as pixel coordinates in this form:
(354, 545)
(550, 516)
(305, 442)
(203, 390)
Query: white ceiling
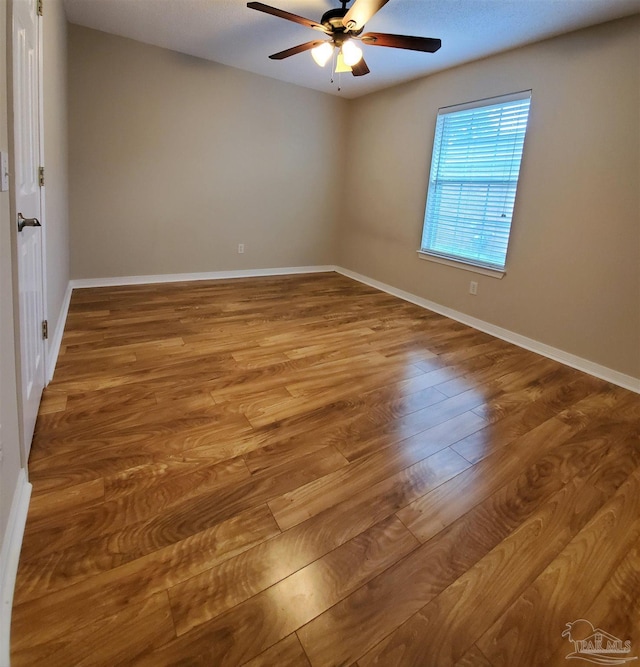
(226, 31)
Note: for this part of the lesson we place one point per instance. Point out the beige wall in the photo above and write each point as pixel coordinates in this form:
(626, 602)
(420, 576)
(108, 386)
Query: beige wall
(9, 435)
(175, 160)
(55, 158)
(573, 267)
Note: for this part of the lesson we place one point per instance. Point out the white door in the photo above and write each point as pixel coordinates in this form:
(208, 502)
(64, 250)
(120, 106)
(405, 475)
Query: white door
(26, 107)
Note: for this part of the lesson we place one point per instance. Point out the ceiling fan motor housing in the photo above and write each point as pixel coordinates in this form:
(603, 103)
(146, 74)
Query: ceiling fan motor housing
(332, 20)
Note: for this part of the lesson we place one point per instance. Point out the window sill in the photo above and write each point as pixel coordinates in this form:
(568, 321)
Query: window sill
(459, 264)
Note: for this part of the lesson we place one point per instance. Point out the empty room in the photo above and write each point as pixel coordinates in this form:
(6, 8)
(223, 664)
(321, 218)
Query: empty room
(320, 333)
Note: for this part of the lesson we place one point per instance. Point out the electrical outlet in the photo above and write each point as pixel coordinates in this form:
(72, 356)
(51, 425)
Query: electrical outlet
(473, 287)
(240, 248)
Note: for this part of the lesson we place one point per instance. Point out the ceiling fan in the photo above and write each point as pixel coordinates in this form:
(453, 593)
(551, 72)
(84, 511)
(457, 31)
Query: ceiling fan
(343, 27)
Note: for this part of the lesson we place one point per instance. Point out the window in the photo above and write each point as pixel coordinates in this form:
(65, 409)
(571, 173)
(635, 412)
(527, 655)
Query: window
(472, 185)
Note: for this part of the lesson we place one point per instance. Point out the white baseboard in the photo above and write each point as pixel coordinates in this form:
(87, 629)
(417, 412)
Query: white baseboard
(579, 363)
(9, 556)
(56, 340)
(185, 277)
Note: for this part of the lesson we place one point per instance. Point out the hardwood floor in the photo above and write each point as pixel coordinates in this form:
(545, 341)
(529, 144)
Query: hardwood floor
(305, 471)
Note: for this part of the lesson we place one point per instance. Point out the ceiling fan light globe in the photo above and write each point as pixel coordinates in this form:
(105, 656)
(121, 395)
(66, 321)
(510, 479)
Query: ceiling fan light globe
(351, 53)
(322, 53)
(341, 65)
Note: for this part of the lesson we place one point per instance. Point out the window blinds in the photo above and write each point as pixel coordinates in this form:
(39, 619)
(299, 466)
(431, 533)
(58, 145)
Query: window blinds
(474, 174)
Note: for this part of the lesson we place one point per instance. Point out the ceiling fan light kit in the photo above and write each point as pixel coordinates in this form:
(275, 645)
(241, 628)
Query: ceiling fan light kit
(341, 65)
(343, 26)
(322, 53)
(351, 53)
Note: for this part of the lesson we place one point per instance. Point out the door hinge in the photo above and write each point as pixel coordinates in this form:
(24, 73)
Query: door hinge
(41, 176)
(45, 329)
(40, 4)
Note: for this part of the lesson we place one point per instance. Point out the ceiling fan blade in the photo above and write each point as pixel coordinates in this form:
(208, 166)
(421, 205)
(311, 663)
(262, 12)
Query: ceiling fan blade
(361, 12)
(274, 11)
(426, 44)
(296, 49)
(360, 68)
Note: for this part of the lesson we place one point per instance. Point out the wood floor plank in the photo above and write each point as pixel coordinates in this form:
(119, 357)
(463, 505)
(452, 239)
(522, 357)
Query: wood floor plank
(139, 628)
(232, 582)
(52, 401)
(569, 584)
(238, 635)
(447, 559)
(410, 425)
(287, 651)
(306, 501)
(87, 458)
(614, 609)
(135, 526)
(473, 658)
(45, 506)
(522, 415)
(432, 512)
(467, 608)
(107, 592)
(118, 531)
(155, 423)
(325, 394)
(337, 421)
(303, 470)
(137, 398)
(344, 417)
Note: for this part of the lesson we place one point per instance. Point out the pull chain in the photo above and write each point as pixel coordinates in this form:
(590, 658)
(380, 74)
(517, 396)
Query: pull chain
(333, 69)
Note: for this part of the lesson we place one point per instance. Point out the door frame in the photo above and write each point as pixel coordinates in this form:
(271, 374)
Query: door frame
(43, 215)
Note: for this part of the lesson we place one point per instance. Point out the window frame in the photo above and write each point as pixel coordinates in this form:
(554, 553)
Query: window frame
(459, 260)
